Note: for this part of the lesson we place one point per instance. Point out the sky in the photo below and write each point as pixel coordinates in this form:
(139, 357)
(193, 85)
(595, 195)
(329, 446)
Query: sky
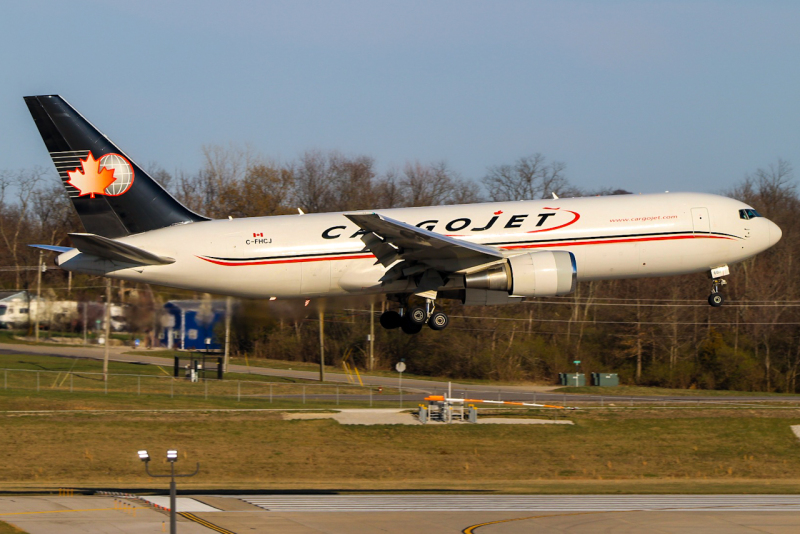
(641, 95)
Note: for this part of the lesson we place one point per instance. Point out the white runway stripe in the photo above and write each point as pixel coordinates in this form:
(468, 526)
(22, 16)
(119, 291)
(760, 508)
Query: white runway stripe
(527, 503)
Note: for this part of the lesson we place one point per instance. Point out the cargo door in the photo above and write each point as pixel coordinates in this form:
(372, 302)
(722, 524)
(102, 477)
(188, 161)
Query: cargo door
(315, 278)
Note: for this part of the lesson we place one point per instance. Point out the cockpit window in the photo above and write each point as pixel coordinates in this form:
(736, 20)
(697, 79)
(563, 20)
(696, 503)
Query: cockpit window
(748, 214)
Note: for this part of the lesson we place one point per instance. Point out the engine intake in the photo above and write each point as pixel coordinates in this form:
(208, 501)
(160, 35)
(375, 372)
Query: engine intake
(535, 274)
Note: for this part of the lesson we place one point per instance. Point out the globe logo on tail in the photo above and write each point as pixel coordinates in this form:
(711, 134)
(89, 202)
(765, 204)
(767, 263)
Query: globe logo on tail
(111, 175)
(123, 174)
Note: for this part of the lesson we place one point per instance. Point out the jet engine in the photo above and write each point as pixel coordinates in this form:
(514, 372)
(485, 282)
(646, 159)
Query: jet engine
(535, 274)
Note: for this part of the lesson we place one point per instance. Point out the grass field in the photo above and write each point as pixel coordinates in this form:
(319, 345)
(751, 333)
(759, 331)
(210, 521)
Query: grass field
(697, 450)
(80, 380)
(87, 439)
(5, 528)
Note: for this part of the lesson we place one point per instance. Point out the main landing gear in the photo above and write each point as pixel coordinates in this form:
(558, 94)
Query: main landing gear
(411, 319)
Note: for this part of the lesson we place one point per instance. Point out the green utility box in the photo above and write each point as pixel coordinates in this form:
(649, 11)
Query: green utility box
(605, 379)
(572, 379)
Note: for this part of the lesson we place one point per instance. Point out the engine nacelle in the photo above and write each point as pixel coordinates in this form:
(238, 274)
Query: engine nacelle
(535, 274)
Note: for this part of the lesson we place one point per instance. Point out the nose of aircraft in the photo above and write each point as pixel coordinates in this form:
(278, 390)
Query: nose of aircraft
(775, 233)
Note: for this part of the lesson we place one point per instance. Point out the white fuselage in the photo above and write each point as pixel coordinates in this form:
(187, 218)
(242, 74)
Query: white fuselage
(317, 255)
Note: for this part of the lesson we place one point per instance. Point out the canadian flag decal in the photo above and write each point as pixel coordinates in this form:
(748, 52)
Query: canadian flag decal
(260, 234)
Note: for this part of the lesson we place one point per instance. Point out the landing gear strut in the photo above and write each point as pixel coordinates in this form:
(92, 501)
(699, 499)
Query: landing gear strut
(411, 320)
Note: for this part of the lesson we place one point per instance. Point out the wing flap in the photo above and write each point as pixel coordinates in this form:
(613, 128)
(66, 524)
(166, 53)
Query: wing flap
(419, 244)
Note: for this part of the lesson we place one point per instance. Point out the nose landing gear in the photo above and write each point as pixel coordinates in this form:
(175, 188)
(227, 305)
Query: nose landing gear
(411, 320)
(715, 298)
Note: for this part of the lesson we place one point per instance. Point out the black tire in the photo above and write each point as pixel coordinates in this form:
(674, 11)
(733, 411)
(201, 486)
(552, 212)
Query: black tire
(410, 328)
(417, 315)
(716, 299)
(438, 321)
(390, 320)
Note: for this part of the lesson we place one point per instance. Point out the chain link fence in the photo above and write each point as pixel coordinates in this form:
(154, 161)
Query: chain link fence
(168, 386)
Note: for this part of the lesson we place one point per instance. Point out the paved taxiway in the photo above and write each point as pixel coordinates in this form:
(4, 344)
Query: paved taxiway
(424, 387)
(395, 514)
(79, 515)
(505, 514)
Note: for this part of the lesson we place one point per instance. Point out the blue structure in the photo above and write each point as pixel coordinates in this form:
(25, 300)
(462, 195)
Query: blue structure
(186, 324)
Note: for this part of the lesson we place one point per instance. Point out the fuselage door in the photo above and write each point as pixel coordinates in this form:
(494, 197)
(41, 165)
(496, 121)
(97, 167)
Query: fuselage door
(701, 221)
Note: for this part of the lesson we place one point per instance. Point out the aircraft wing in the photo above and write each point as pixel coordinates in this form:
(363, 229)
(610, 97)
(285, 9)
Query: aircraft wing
(110, 249)
(391, 240)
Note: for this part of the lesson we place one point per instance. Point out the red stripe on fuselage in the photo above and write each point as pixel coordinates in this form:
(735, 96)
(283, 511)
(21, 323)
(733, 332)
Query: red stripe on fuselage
(294, 260)
(228, 263)
(607, 241)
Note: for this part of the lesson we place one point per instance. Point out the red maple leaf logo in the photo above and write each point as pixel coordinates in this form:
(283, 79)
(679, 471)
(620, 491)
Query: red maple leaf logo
(498, 212)
(93, 180)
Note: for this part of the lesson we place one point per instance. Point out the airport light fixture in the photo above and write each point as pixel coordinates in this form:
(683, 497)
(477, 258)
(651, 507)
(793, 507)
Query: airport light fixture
(172, 457)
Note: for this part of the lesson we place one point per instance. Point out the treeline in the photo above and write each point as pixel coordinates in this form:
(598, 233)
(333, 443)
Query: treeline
(652, 331)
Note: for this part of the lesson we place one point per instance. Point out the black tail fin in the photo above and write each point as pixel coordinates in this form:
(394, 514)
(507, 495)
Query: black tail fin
(113, 196)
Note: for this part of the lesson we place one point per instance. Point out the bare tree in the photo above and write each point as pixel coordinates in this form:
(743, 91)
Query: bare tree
(428, 185)
(313, 182)
(15, 217)
(265, 190)
(353, 182)
(530, 178)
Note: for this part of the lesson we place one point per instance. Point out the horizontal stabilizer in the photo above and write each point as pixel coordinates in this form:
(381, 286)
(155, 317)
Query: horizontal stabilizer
(52, 248)
(110, 249)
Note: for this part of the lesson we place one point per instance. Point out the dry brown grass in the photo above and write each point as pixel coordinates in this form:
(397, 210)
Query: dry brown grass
(5, 528)
(644, 451)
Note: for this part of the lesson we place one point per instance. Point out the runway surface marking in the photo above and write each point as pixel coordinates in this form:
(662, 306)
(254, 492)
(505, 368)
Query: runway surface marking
(182, 504)
(59, 511)
(471, 530)
(525, 503)
(212, 526)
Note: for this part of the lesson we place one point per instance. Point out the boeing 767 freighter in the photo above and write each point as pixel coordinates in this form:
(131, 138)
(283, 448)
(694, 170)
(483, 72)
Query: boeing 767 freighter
(479, 254)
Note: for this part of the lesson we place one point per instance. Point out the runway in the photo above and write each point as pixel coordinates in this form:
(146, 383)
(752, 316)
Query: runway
(507, 514)
(396, 514)
(525, 503)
